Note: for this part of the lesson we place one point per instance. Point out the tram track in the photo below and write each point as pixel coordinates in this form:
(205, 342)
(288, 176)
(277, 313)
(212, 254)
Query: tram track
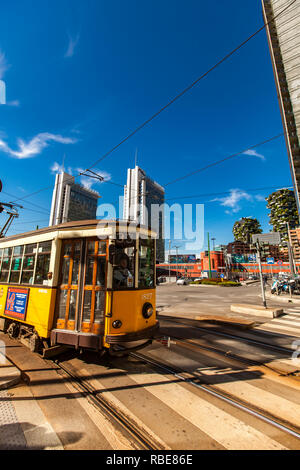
(228, 355)
(192, 345)
(140, 436)
(213, 331)
(185, 377)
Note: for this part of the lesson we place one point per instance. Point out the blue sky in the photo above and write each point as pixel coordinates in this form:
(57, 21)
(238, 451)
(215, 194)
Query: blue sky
(81, 75)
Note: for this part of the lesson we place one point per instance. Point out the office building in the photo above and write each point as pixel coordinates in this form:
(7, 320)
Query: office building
(141, 193)
(71, 201)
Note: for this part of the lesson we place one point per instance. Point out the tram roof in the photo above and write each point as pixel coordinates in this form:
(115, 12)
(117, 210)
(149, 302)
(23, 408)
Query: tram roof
(120, 225)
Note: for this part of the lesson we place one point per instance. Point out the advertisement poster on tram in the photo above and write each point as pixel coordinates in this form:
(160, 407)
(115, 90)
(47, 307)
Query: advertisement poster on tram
(16, 302)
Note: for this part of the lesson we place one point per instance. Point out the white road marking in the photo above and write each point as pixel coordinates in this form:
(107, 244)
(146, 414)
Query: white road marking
(229, 431)
(114, 437)
(286, 322)
(121, 407)
(276, 326)
(37, 430)
(275, 405)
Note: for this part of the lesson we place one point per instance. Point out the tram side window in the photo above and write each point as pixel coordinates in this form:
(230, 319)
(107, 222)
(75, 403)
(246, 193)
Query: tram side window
(5, 264)
(124, 269)
(146, 263)
(28, 263)
(16, 264)
(42, 263)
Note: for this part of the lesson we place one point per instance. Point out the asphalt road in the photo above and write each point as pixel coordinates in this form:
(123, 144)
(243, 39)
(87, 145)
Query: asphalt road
(208, 300)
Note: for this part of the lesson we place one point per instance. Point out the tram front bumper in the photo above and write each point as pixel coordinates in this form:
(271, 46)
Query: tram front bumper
(132, 338)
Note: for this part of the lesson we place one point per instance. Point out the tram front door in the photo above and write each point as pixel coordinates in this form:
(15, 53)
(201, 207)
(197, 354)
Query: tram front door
(82, 286)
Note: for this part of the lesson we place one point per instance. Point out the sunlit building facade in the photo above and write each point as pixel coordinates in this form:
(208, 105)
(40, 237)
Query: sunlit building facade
(284, 42)
(71, 201)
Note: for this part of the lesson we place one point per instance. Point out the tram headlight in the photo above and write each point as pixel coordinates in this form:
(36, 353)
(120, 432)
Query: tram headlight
(117, 324)
(147, 310)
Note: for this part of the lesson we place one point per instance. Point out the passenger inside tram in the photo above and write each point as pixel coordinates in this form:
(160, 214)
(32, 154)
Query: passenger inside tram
(122, 275)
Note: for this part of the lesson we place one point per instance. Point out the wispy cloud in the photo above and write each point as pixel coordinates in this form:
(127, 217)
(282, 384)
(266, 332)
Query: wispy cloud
(73, 41)
(59, 168)
(15, 103)
(35, 145)
(232, 202)
(4, 66)
(253, 153)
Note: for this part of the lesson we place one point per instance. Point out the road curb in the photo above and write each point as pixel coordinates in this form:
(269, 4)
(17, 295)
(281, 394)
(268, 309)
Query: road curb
(287, 300)
(9, 374)
(257, 310)
(238, 322)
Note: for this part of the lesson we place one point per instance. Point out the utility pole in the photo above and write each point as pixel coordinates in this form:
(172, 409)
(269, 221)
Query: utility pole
(11, 210)
(290, 251)
(209, 256)
(258, 248)
(12, 213)
(176, 261)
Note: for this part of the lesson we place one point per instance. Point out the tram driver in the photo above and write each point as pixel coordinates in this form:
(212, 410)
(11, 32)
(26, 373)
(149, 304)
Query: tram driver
(122, 275)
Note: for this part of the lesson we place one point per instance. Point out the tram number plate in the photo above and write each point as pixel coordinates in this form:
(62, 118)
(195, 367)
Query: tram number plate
(16, 302)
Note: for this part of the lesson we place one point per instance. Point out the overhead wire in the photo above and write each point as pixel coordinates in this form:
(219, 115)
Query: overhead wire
(173, 100)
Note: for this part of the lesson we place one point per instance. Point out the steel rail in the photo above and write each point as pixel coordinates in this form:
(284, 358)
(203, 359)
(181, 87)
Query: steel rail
(231, 336)
(189, 344)
(217, 394)
(137, 433)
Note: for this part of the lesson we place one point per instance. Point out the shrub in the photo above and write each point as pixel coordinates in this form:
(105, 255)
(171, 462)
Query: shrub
(217, 282)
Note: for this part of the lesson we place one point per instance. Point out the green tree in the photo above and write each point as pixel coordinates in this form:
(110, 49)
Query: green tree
(244, 228)
(283, 211)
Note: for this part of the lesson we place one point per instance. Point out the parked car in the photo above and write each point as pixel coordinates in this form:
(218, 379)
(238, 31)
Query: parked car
(181, 282)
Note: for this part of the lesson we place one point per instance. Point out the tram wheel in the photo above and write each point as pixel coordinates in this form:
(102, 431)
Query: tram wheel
(34, 343)
(117, 352)
(13, 330)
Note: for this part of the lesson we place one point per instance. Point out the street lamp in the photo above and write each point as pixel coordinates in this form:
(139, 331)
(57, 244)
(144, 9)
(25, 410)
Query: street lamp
(213, 240)
(209, 261)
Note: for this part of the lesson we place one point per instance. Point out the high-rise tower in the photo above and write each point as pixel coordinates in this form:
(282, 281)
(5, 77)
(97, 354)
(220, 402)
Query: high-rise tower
(141, 193)
(71, 201)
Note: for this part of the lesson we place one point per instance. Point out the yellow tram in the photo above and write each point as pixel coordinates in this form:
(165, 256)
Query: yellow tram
(87, 284)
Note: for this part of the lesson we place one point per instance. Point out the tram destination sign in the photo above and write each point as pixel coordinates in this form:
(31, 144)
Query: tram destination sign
(16, 302)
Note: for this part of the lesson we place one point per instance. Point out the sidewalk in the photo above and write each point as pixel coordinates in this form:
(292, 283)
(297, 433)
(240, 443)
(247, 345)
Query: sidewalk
(23, 426)
(52, 412)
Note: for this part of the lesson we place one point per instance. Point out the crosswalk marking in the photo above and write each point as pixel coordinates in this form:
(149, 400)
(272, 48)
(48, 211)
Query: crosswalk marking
(233, 434)
(284, 321)
(120, 406)
(288, 324)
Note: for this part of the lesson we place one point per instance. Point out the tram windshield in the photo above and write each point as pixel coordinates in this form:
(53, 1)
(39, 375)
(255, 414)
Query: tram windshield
(124, 272)
(124, 266)
(146, 263)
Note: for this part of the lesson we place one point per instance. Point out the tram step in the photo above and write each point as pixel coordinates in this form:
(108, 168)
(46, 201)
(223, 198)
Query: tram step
(54, 351)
